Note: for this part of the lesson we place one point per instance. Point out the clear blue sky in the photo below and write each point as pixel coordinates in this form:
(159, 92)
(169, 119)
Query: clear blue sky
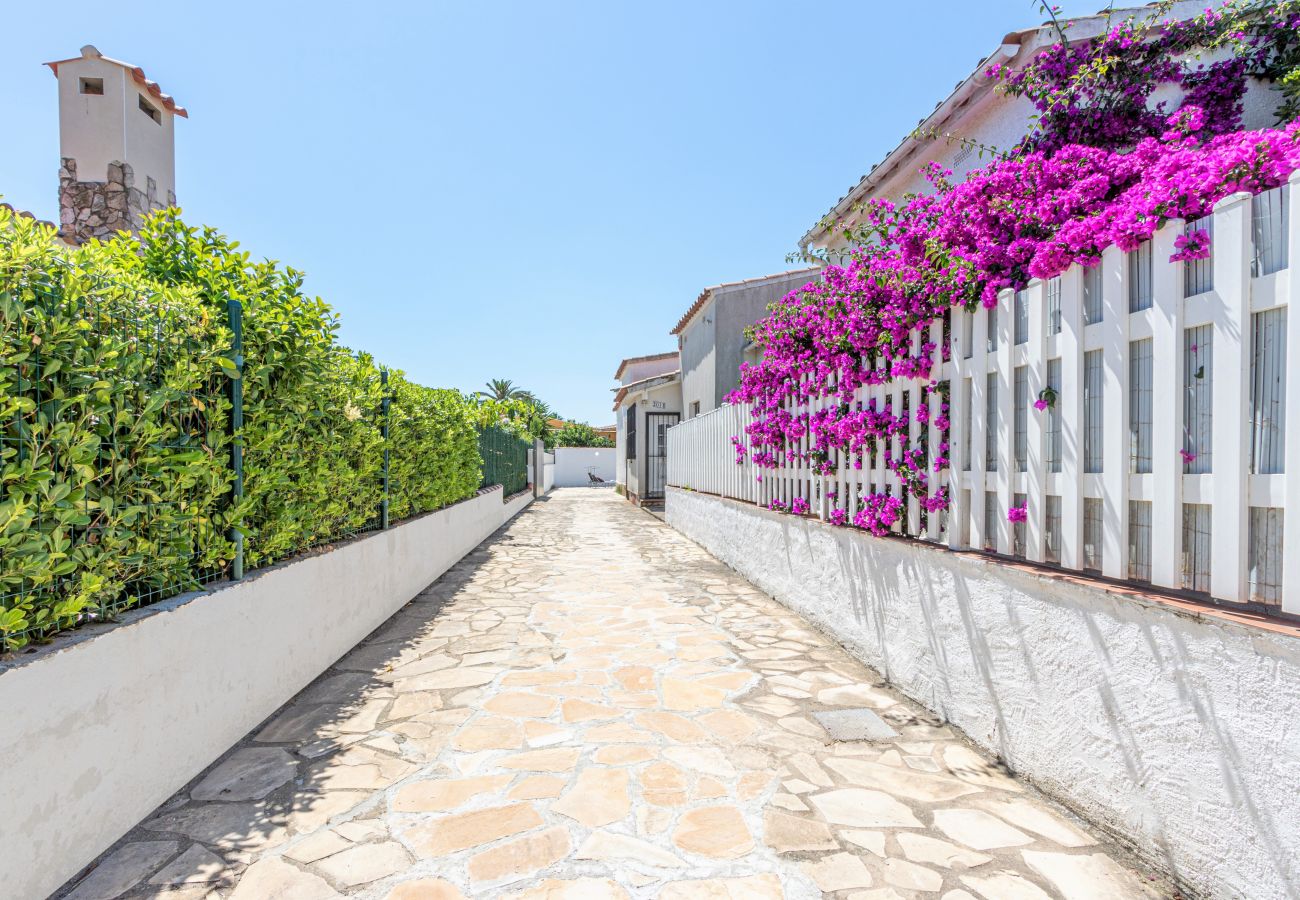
(516, 190)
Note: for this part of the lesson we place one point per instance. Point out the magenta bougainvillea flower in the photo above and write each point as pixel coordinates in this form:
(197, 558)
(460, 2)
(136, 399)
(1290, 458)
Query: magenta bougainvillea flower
(1193, 245)
(799, 506)
(1018, 513)
(1188, 456)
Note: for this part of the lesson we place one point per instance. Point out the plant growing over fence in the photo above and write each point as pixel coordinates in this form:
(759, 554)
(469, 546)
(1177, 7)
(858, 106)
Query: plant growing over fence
(116, 444)
(580, 434)
(1053, 203)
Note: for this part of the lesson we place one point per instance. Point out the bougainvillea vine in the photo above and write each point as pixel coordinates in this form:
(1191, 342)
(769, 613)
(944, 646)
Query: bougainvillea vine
(1080, 184)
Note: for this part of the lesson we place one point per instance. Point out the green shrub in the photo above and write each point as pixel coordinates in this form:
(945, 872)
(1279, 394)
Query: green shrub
(114, 456)
(116, 475)
(434, 458)
(580, 434)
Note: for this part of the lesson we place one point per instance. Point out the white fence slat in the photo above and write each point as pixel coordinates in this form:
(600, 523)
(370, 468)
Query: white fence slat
(1291, 517)
(1114, 476)
(1231, 253)
(1036, 361)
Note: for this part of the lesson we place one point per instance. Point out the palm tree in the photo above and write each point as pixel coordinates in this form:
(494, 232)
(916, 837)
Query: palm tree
(504, 389)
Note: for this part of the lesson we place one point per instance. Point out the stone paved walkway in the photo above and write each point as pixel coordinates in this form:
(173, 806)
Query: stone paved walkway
(590, 706)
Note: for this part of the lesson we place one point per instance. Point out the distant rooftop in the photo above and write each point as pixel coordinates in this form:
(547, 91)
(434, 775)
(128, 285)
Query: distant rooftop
(640, 359)
(708, 291)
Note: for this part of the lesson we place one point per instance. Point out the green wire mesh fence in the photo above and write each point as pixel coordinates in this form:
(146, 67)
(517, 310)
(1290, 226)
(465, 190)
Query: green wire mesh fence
(505, 459)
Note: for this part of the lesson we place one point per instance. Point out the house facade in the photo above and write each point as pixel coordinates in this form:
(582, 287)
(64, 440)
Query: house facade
(712, 340)
(647, 402)
(977, 114)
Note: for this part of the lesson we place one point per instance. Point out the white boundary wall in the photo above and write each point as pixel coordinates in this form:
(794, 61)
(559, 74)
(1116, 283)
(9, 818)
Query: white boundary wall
(573, 463)
(1177, 732)
(702, 457)
(108, 722)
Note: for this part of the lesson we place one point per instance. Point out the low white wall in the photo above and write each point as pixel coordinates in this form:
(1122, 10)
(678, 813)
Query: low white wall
(1177, 732)
(102, 726)
(573, 463)
(548, 477)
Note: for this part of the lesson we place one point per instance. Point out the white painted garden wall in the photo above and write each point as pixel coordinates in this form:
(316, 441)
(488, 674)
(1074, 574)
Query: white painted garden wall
(1177, 732)
(572, 465)
(108, 722)
(1216, 526)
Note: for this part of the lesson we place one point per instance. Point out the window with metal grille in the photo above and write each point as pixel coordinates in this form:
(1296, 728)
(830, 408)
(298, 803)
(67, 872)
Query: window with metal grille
(1054, 306)
(630, 432)
(1092, 400)
(1198, 274)
(965, 435)
(991, 318)
(1265, 555)
(1019, 530)
(1140, 373)
(1091, 534)
(1052, 530)
(1196, 547)
(991, 423)
(1270, 227)
(1139, 278)
(965, 520)
(991, 521)
(1092, 306)
(1139, 540)
(1198, 386)
(1268, 392)
(1054, 417)
(967, 335)
(1021, 310)
(1022, 418)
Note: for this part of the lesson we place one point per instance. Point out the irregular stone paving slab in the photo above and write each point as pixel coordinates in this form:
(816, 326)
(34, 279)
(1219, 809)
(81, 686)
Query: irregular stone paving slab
(854, 725)
(124, 868)
(590, 706)
(249, 774)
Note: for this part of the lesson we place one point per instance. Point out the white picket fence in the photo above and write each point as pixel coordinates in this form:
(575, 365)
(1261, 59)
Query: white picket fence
(1148, 358)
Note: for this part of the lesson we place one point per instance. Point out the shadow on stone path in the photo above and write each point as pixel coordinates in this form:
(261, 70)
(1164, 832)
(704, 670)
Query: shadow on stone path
(591, 706)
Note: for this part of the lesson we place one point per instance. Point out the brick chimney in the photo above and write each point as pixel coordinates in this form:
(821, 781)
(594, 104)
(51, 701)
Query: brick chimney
(116, 140)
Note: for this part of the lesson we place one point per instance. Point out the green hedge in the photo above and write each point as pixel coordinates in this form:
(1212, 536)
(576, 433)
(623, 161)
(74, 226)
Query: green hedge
(115, 474)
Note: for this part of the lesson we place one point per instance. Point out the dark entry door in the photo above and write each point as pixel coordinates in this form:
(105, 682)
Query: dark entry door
(656, 456)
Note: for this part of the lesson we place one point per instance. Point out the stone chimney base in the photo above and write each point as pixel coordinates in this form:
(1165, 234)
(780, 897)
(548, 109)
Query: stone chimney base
(99, 209)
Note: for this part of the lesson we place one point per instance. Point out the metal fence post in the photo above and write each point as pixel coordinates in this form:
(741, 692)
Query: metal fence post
(235, 312)
(386, 405)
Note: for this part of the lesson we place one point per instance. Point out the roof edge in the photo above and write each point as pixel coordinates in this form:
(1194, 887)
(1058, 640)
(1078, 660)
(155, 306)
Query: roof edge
(137, 74)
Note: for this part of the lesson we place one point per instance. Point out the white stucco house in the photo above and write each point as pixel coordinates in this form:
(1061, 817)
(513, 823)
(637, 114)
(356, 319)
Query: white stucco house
(647, 402)
(657, 391)
(712, 340)
(977, 113)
